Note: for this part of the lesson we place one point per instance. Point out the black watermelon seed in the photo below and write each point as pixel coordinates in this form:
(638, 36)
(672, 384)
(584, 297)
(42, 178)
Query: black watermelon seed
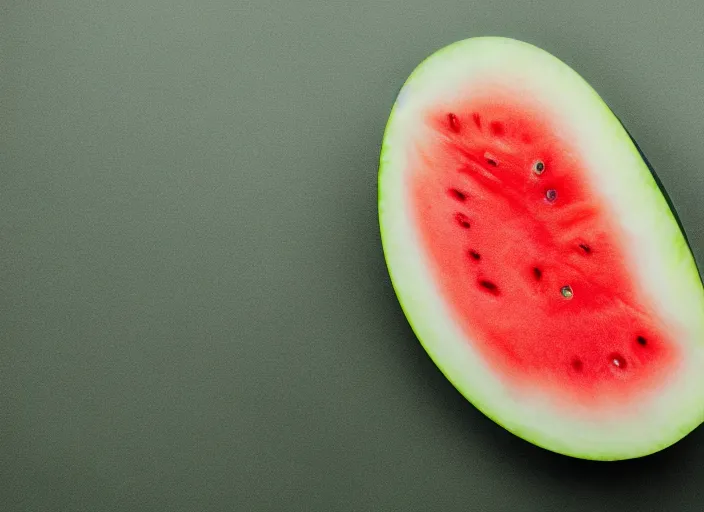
(489, 286)
(457, 194)
(537, 273)
(462, 220)
(474, 255)
(641, 341)
(585, 248)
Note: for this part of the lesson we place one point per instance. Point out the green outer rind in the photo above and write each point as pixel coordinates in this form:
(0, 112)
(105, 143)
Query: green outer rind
(664, 193)
(533, 436)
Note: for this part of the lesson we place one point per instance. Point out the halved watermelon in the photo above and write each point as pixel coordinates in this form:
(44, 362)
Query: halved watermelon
(536, 256)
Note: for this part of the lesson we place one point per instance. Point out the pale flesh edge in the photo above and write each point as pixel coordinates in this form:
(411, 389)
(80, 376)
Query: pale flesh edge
(661, 260)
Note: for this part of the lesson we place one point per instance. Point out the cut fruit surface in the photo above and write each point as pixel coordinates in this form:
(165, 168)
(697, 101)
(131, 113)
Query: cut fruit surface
(535, 255)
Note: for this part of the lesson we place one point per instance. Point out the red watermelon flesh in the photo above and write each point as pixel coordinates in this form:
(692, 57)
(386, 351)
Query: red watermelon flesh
(529, 258)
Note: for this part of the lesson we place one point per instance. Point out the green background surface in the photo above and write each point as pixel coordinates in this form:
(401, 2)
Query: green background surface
(195, 312)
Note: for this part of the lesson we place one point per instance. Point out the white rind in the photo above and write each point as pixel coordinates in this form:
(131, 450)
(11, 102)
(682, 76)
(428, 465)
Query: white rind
(662, 260)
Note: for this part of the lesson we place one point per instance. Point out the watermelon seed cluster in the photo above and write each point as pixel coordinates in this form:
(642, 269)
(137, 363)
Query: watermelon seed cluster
(551, 196)
(616, 360)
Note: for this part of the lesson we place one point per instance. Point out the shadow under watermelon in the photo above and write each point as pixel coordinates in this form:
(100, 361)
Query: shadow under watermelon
(660, 469)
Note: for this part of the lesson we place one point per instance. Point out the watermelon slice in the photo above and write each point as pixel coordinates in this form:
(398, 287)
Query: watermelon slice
(536, 255)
